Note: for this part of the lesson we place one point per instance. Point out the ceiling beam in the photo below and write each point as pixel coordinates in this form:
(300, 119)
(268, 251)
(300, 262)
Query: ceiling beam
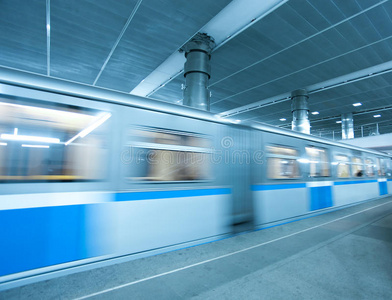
(295, 72)
(118, 40)
(367, 73)
(236, 17)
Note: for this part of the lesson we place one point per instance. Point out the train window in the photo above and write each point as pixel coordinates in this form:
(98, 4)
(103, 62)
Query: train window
(381, 164)
(357, 166)
(282, 162)
(318, 162)
(160, 155)
(342, 162)
(50, 142)
(369, 164)
(388, 166)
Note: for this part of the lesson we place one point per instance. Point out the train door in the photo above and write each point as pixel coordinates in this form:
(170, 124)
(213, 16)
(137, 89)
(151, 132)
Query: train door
(237, 154)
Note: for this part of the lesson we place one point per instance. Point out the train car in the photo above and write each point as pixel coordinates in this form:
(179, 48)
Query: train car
(92, 177)
(304, 174)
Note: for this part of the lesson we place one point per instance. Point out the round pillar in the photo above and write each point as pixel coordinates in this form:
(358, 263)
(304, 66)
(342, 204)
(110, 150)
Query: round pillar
(197, 71)
(300, 110)
(347, 126)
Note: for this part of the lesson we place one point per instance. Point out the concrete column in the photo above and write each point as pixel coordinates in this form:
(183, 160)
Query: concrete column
(300, 110)
(197, 71)
(347, 126)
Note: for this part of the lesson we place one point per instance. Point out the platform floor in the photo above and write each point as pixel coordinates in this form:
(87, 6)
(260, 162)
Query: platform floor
(345, 254)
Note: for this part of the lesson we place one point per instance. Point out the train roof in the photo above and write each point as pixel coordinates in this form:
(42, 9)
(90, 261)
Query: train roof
(64, 87)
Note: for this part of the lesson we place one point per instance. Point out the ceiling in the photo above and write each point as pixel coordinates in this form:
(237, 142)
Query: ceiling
(339, 50)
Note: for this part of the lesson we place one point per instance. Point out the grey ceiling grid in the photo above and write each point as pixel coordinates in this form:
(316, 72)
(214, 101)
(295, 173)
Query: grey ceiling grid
(23, 35)
(158, 29)
(83, 33)
(116, 44)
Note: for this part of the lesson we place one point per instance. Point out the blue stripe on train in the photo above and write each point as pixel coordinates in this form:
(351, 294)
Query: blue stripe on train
(39, 237)
(132, 196)
(320, 197)
(383, 188)
(353, 182)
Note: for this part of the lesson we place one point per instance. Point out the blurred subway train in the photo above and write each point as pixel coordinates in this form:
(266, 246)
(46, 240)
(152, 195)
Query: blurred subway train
(90, 176)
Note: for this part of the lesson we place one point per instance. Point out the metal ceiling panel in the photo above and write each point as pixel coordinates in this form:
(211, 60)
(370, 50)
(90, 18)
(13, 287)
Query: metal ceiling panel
(159, 28)
(82, 35)
(118, 43)
(23, 35)
(173, 92)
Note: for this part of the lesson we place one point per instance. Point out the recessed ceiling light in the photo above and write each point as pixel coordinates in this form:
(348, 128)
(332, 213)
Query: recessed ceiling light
(357, 104)
(338, 122)
(377, 116)
(315, 113)
(282, 119)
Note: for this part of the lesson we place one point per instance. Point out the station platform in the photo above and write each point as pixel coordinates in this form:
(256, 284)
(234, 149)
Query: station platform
(343, 254)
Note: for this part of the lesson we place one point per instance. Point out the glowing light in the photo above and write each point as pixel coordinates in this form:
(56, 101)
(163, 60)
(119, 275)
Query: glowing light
(100, 120)
(282, 119)
(376, 116)
(357, 104)
(315, 113)
(35, 146)
(29, 138)
(338, 122)
(3, 144)
(303, 160)
(40, 110)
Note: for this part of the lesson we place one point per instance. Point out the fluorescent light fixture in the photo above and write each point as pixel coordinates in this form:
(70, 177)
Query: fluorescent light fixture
(315, 113)
(335, 163)
(3, 144)
(100, 120)
(43, 110)
(357, 104)
(29, 138)
(303, 160)
(376, 116)
(338, 122)
(15, 131)
(282, 119)
(95, 125)
(35, 146)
